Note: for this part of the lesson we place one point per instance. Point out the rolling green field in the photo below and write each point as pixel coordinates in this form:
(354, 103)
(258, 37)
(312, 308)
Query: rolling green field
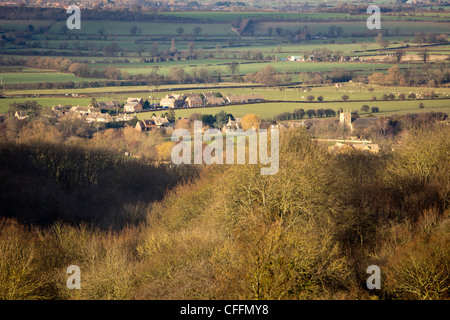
(192, 65)
(301, 16)
(46, 102)
(285, 49)
(183, 63)
(23, 25)
(331, 95)
(148, 28)
(280, 66)
(230, 16)
(118, 90)
(269, 110)
(404, 27)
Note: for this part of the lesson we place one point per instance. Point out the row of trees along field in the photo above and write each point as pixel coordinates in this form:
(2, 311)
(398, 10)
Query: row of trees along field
(136, 12)
(431, 75)
(97, 46)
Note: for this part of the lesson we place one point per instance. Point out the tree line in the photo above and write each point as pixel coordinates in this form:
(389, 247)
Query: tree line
(308, 232)
(432, 75)
(59, 14)
(412, 76)
(298, 114)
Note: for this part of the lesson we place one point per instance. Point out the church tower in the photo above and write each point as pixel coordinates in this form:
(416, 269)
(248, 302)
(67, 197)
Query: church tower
(345, 119)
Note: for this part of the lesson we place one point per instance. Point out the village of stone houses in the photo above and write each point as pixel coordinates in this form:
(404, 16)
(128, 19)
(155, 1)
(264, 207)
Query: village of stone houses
(115, 111)
(351, 129)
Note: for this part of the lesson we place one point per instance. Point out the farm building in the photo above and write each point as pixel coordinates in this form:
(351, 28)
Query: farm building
(84, 111)
(296, 58)
(254, 98)
(172, 101)
(213, 101)
(140, 100)
(108, 105)
(124, 117)
(211, 94)
(232, 124)
(133, 106)
(168, 102)
(60, 110)
(160, 121)
(99, 117)
(234, 99)
(193, 101)
(348, 147)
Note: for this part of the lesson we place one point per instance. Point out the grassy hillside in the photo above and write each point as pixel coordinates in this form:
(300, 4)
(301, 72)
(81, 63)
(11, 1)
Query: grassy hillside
(32, 77)
(308, 232)
(332, 99)
(269, 110)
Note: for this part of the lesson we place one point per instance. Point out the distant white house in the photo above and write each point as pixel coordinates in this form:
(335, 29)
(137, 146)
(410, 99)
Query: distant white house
(99, 117)
(108, 105)
(124, 117)
(84, 111)
(140, 100)
(232, 124)
(160, 121)
(172, 101)
(21, 115)
(134, 106)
